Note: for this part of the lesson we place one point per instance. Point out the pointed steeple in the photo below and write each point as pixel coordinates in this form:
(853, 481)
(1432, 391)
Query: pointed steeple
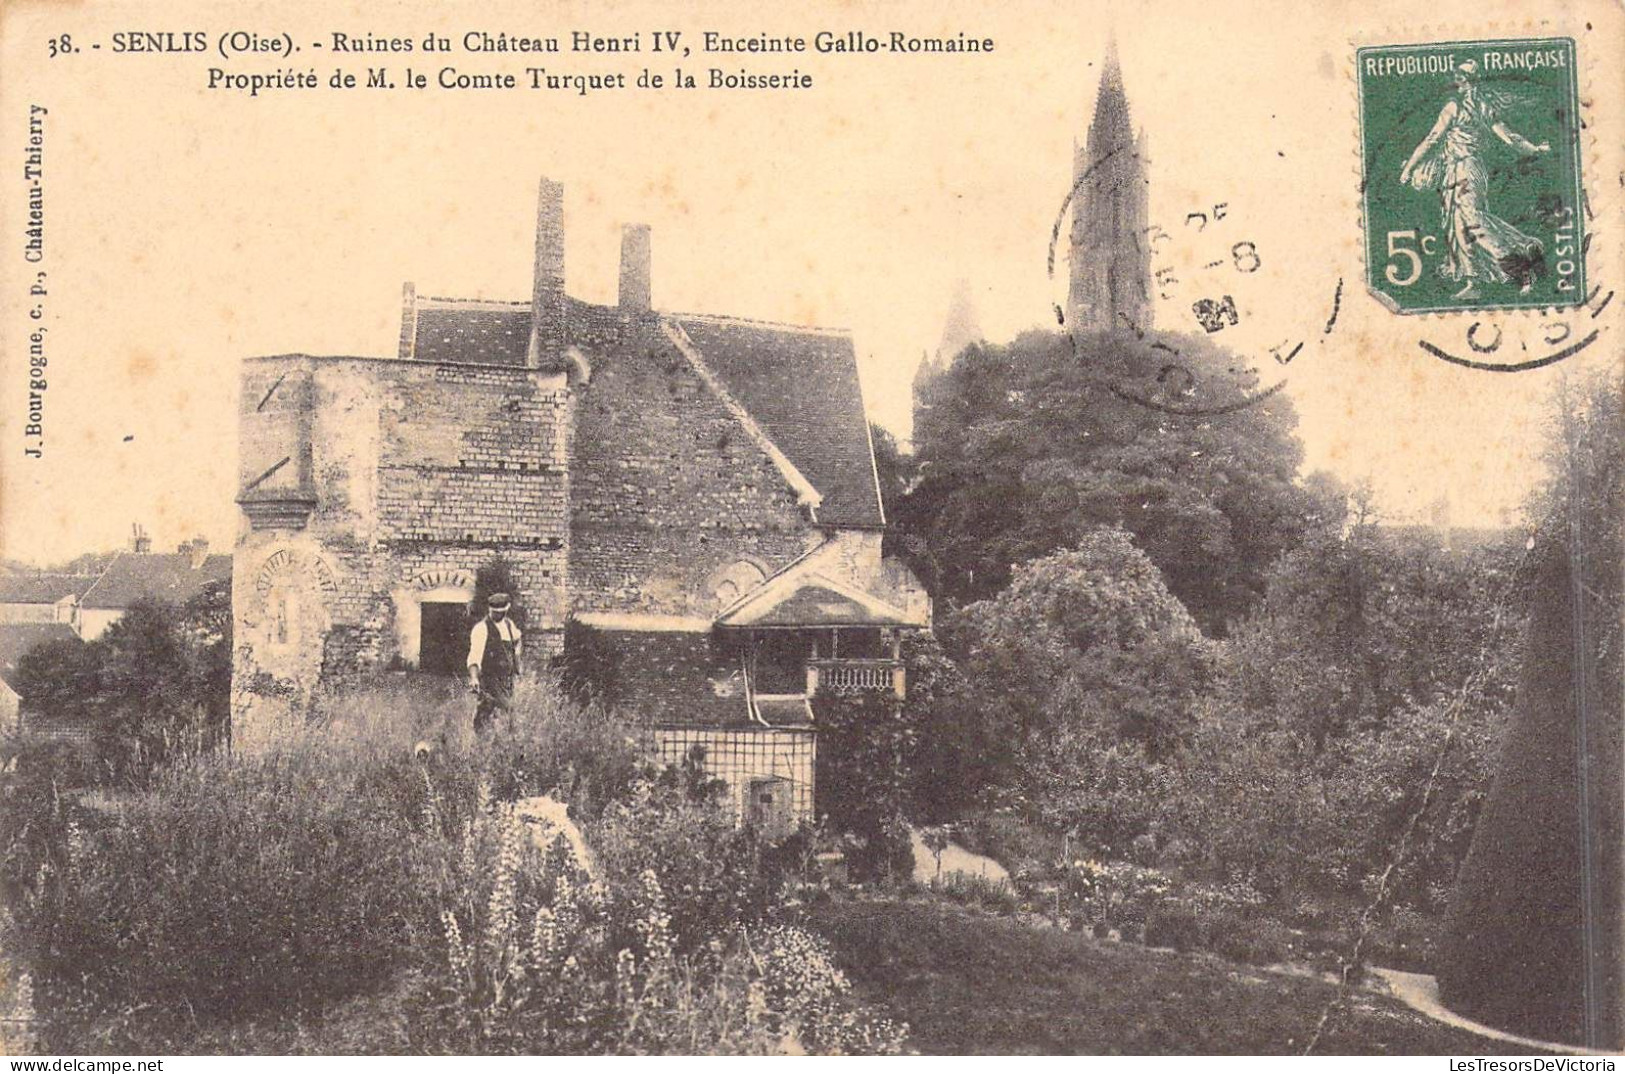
(1111, 128)
(1110, 284)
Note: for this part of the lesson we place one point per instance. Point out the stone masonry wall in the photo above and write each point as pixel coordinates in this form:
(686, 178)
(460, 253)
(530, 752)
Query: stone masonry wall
(421, 474)
(667, 487)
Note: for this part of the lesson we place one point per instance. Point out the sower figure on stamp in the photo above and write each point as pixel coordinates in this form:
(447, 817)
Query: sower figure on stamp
(494, 650)
(1451, 160)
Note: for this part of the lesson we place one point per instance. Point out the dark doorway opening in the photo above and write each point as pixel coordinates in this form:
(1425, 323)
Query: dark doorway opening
(443, 637)
(780, 664)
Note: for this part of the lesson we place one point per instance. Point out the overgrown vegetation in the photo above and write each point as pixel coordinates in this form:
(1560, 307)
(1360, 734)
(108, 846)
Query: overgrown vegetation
(1266, 765)
(1022, 449)
(380, 859)
(154, 687)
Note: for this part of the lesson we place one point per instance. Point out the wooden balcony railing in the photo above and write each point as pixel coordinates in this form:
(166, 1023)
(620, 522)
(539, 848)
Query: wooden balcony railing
(855, 676)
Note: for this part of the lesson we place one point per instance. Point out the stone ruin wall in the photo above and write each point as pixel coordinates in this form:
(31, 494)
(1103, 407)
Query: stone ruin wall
(420, 474)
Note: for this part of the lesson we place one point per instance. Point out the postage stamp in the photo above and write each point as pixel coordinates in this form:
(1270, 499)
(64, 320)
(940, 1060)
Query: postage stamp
(1471, 175)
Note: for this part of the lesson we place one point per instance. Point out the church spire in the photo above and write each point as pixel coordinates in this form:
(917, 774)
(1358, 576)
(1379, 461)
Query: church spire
(1110, 278)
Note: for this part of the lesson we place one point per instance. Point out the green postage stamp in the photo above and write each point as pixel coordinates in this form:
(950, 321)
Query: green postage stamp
(1471, 161)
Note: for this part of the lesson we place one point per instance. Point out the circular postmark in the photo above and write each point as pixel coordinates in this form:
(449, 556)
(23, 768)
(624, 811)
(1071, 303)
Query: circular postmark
(1206, 283)
(1519, 341)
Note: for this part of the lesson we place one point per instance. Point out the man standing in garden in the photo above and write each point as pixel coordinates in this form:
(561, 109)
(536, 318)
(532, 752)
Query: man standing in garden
(493, 660)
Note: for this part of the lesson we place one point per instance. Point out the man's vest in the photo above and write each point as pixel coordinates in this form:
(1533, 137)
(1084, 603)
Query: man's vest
(498, 667)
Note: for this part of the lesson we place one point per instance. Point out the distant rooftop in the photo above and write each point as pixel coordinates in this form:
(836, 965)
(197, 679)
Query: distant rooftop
(42, 588)
(175, 577)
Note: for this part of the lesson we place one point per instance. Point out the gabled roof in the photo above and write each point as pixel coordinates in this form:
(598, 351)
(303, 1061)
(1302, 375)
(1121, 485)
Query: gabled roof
(801, 386)
(801, 596)
(42, 588)
(168, 577)
(16, 639)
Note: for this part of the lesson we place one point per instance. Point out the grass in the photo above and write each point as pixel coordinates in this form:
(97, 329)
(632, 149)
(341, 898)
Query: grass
(969, 983)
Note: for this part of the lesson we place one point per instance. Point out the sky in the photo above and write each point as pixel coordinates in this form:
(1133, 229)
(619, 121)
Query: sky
(188, 228)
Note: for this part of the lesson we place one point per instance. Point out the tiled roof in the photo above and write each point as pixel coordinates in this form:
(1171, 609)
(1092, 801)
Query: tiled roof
(801, 386)
(154, 576)
(16, 639)
(785, 711)
(490, 333)
(42, 588)
(672, 679)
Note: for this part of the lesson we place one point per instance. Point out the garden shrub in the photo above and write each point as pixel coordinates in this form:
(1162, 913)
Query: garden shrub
(1257, 941)
(717, 874)
(1173, 925)
(1114, 895)
(971, 889)
(272, 885)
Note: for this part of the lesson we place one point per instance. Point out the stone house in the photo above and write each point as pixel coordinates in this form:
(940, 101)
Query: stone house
(698, 490)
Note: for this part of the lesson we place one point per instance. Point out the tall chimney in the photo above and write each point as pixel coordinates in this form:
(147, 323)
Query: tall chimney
(547, 287)
(635, 297)
(409, 321)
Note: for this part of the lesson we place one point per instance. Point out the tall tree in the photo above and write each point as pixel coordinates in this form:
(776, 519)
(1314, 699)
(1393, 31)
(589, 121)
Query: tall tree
(1023, 448)
(1534, 937)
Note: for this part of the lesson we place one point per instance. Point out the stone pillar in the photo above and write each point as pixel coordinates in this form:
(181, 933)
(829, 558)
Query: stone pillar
(635, 269)
(547, 302)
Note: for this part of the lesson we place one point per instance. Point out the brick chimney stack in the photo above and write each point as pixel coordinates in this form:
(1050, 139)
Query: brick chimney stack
(409, 321)
(547, 305)
(635, 268)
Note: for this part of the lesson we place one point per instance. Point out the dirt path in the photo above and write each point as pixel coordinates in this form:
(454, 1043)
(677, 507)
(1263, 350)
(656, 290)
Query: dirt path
(1420, 992)
(955, 859)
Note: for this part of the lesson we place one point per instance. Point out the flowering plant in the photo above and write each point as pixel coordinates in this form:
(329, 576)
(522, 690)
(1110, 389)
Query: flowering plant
(1116, 894)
